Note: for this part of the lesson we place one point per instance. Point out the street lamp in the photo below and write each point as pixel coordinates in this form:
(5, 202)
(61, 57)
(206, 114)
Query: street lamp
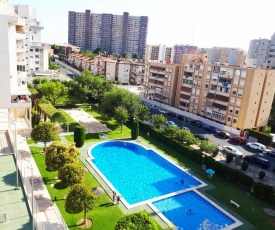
(15, 150)
(203, 156)
(31, 168)
(68, 126)
(52, 186)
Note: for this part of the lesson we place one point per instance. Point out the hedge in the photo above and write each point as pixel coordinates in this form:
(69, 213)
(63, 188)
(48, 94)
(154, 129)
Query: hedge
(79, 136)
(48, 109)
(246, 182)
(264, 138)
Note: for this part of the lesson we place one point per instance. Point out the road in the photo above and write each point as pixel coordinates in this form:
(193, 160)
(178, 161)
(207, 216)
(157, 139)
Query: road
(219, 141)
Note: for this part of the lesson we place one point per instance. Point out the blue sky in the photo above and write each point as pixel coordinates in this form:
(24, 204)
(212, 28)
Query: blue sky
(231, 23)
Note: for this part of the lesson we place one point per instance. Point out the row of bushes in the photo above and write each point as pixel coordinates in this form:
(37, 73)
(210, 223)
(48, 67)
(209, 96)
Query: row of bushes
(258, 189)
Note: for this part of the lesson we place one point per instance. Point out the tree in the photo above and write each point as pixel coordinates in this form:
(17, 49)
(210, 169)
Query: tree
(135, 221)
(209, 147)
(135, 55)
(55, 48)
(121, 116)
(135, 129)
(59, 154)
(190, 139)
(119, 97)
(79, 136)
(171, 131)
(80, 198)
(143, 112)
(53, 91)
(40, 80)
(245, 165)
(53, 66)
(158, 120)
(126, 55)
(44, 132)
(71, 174)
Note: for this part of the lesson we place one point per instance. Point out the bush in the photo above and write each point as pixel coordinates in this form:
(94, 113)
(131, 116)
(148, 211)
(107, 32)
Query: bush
(245, 165)
(135, 129)
(79, 136)
(141, 220)
(229, 157)
(262, 175)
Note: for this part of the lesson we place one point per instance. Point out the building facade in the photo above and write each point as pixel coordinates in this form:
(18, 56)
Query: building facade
(235, 96)
(261, 53)
(230, 56)
(159, 53)
(183, 49)
(111, 33)
(37, 58)
(160, 81)
(14, 94)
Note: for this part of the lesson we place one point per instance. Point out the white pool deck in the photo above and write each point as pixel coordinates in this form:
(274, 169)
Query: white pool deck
(150, 202)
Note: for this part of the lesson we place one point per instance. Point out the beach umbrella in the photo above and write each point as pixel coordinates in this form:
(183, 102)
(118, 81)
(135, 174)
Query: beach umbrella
(98, 191)
(210, 171)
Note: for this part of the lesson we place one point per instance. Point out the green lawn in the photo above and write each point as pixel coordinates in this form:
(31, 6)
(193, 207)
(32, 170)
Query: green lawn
(104, 216)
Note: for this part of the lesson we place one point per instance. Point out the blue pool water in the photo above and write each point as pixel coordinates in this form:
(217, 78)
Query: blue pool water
(177, 210)
(139, 174)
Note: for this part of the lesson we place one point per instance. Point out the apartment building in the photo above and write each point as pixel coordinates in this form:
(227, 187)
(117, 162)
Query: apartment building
(159, 53)
(14, 94)
(261, 53)
(37, 59)
(160, 82)
(137, 70)
(230, 56)
(111, 33)
(238, 97)
(67, 49)
(183, 49)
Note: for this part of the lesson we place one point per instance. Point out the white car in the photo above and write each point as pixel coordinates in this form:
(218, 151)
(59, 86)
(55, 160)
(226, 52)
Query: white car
(233, 150)
(163, 111)
(171, 123)
(152, 106)
(256, 146)
(186, 128)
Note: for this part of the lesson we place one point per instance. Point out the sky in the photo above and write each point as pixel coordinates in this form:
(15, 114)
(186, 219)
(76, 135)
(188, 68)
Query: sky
(203, 23)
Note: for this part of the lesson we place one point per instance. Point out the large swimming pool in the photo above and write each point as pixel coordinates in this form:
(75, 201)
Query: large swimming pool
(143, 176)
(139, 174)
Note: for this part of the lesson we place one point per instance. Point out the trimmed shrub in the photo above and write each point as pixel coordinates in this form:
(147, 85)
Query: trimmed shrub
(263, 138)
(262, 175)
(245, 165)
(135, 129)
(229, 157)
(141, 220)
(79, 136)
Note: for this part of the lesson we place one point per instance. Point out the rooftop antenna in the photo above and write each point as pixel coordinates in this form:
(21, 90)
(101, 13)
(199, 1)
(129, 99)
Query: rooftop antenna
(193, 34)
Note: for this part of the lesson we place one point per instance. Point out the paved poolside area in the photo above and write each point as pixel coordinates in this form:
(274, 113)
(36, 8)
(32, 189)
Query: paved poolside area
(89, 122)
(14, 212)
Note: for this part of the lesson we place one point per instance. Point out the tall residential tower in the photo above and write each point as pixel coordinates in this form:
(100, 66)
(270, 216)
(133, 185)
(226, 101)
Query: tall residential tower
(112, 33)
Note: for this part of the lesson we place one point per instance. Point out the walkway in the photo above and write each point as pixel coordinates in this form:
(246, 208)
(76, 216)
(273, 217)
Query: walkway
(89, 122)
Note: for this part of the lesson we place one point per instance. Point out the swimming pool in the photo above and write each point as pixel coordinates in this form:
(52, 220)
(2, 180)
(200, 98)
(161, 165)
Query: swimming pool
(139, 174)
(143, 176)
(189, 210)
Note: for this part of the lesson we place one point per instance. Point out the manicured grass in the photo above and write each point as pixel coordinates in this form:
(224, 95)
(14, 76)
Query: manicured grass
(251, 208)
(71, 121)
(104, 216)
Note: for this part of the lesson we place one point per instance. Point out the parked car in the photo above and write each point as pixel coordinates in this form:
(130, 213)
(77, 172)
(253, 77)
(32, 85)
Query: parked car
(223, 134)
(201, 137)
(196, 123)
(270, 152)
(183, 118)
(258, 161)
(238, 139)
(233, 150)
(153, 106)
(172, 123)
(210, 129)
(171, 114)
(163, 111)
(256, 146)
(186, 128)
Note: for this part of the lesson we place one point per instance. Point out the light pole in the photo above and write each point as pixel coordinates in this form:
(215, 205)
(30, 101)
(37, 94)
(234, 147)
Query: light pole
(15, 150)
(31, 168)
(68, 126)
(203, 156)
(52, 186)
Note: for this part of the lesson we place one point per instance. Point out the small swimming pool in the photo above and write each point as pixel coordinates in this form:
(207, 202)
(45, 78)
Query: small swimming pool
(189, 210)
(139, 174)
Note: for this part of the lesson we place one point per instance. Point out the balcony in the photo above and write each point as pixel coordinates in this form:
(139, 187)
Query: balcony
(20, 35)
(36, 25)
(20, 49)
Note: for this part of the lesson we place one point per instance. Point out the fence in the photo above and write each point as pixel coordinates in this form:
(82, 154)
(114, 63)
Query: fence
(44, 217)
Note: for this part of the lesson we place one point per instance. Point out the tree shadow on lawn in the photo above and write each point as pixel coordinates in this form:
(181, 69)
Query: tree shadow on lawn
(60, 186)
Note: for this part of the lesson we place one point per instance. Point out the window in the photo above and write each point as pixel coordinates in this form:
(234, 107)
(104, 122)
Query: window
(236, 112)
(230, 109)
(243, 74)
(206, 86)
(234, 92)
(232, 101)
(242, 83)
(234, 121)
(229, 119)
(238, 102)
(240, 92)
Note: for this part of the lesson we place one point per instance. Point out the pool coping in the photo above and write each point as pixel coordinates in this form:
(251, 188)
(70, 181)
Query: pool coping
(149, 202)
